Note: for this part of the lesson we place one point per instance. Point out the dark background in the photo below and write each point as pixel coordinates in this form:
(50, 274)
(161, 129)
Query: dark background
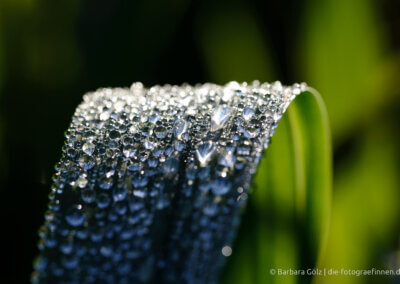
(52, 52)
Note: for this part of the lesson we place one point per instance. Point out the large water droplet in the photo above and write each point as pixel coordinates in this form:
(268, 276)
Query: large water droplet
(114, 134)
(248, 113)
(277, 116)
(210, 209)
(106, 182)
(81, 182)
(160, 132)
(250, 132)
(221, 186)
(180, 128)
(103, 201)
(119, 194)
(104, 116)
(149, 145)
(129, 151)
(86, 162)
(205, 152)
(227, 160)
(220, 117)
(88, 195)
(133, 129)
(75, 216)
(171, 167)
(229, 91)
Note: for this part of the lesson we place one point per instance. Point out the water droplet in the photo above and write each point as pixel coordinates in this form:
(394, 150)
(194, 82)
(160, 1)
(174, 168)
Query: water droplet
(248, 113)
(227, 94)
(106, 251)
(250, 132)
(139, 181)
(103, 201)
(141, 193)
(70, 261)
(210, 209)
(75, 216)
(226, 251)
(160, 132)
(180, 128)
(104, 116)
(86, 162)
(71, 152)
(133, 129)
(149, 145)
(154, 118)
(162, 202)
(277, 116)
(106, 182)
(129, 151)
(88, 195)
(227, 160)
(171, 167)
(114, 134)
(119, 194)
(81, 182)
(229, 91)
(221, 186)
(220, 117)
(205, 152)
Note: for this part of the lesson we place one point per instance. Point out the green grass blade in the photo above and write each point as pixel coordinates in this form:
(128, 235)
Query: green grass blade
(286, 223)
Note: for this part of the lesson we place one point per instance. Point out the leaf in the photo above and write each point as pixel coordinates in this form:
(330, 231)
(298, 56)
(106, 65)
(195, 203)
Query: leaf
(286, 222)
(342, 48)
(232, 44)
(365, 215)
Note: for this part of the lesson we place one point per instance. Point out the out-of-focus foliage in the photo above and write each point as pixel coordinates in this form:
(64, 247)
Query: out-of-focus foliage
(343, 55)
(365, 211)
(232, 44)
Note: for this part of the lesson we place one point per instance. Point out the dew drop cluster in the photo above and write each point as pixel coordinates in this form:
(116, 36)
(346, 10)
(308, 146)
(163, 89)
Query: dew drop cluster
(152, 181)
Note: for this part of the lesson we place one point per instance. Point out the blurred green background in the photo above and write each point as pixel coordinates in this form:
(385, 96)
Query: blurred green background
(51, 52)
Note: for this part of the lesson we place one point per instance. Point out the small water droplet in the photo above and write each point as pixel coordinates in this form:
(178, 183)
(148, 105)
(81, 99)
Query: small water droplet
(154, 118)
(221, 186)
(129, 151)
(227, 160)
(210, 209)
(220, 117)
(141, 193)
(114, 134)
(250, 132)
(86, 162)
(162, 202)
(119, 194)
(81, 182)
(226, 251)
(180, 128)
(248, 113)
(149, 145)
(104, 116)
(133, 129)
(160, 132)
(205, 152)
(106, 251)
(277, 116)
(171, 167)
(103, 201)
(106, 182)
(75, 216)
(88, 195)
